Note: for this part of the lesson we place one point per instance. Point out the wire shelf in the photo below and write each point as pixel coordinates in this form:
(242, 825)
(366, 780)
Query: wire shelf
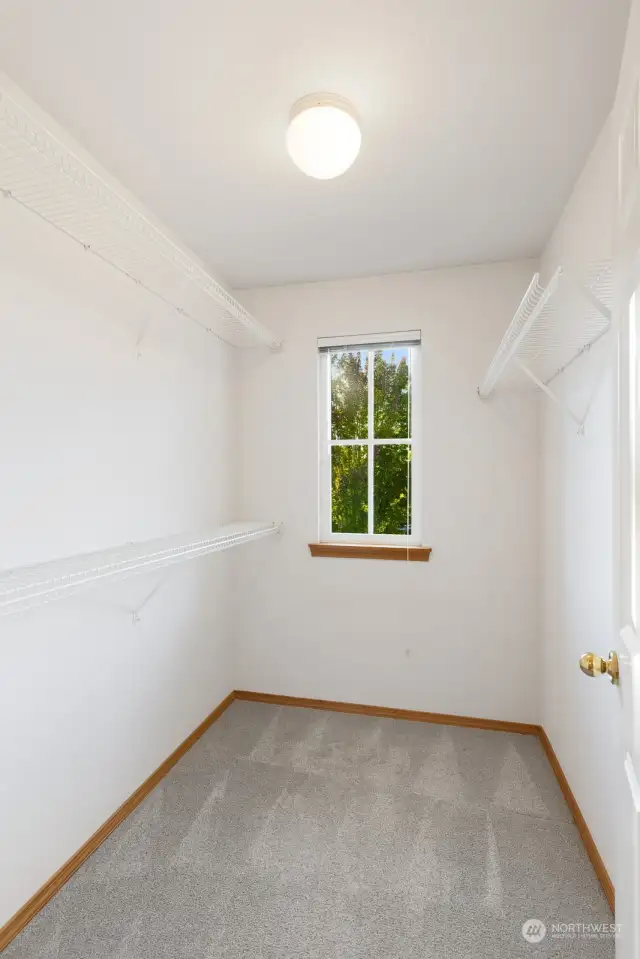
(44, 170)
(27, 587)
(552, 327)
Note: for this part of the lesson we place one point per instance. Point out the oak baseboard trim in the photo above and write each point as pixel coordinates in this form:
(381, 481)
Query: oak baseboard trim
(587, 839)
(24, 915)
(389, 712)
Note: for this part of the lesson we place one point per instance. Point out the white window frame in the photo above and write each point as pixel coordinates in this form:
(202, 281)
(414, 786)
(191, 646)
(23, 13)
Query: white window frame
(326, 535)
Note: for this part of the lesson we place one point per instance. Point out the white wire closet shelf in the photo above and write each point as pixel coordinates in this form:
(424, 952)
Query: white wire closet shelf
(27, 587)
(552, 327)
(47, 172)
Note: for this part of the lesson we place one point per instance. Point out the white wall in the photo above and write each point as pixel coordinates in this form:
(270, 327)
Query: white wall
(458, 634)
(100, 446)
(581, 716)
(578, 593)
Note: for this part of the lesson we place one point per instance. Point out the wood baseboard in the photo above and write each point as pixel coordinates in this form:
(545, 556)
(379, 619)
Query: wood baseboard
(587, 839)
(389, 712)
(24, 915)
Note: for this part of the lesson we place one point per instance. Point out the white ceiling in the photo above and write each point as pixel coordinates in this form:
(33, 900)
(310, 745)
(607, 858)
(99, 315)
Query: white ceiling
(477, 116)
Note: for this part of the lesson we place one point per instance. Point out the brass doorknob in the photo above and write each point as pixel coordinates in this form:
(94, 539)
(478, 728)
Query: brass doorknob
(593, 665)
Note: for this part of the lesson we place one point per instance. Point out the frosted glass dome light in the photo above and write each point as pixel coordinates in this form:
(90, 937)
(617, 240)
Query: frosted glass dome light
(324, 137)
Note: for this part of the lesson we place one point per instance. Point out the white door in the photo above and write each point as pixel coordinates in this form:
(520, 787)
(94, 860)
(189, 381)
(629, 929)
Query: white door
(625, 119)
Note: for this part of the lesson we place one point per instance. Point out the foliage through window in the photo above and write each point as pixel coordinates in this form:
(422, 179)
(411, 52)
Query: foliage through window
(368, 404)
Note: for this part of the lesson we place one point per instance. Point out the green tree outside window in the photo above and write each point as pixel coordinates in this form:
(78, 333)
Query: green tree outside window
(350, 371)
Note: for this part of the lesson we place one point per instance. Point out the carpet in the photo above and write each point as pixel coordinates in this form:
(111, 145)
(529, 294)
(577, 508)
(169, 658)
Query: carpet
(289, 832)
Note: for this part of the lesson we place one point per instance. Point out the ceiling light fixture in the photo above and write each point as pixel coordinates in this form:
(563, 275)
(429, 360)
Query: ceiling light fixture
(324, 137)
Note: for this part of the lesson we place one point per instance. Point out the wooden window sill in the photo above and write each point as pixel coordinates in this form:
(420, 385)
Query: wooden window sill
(412, 554)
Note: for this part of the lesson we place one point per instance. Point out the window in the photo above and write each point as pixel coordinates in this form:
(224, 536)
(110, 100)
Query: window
(369, 457)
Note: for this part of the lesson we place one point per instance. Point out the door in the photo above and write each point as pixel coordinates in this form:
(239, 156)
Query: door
(626, 268)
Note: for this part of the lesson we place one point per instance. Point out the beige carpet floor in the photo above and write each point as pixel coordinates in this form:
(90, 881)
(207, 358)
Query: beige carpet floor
(290, 832)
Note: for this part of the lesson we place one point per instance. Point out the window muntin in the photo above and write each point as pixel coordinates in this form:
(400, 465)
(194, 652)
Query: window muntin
(368, 452)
